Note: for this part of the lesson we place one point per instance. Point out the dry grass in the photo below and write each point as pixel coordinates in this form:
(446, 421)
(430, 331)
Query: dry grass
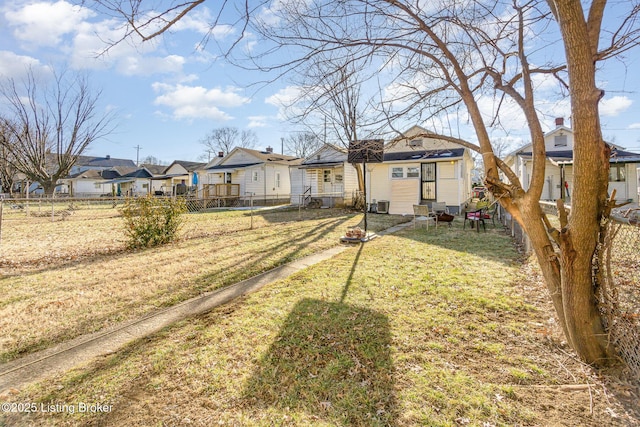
(437, 328)
(75, 277)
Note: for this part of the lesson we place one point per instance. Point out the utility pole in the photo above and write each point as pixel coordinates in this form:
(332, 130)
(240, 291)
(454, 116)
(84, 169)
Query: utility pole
(137, 147)
(282, 145)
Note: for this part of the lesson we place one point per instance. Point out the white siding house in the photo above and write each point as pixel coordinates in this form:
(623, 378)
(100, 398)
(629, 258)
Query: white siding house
(623, 175)
(325, 176)
(245, 173)
(420, 170)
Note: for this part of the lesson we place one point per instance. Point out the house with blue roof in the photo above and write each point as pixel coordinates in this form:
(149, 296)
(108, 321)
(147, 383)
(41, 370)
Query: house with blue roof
(559, 142)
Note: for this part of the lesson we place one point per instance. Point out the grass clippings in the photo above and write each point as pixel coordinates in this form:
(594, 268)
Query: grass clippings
(433, 328)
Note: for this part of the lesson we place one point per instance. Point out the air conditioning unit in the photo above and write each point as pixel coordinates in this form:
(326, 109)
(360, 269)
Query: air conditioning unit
(383, 206)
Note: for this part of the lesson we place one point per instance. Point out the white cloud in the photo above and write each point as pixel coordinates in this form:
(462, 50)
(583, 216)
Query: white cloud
(197, 102)
(44, 23)
(138, 65)
(257, 122)
(284, 96)
(634, 126)
(615, 105)
(16, 66)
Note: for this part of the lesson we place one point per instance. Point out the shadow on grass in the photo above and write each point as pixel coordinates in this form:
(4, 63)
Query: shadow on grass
(331, 361)
(270, 256)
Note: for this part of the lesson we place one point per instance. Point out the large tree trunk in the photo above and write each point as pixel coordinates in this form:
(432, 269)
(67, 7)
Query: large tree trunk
(578, 239)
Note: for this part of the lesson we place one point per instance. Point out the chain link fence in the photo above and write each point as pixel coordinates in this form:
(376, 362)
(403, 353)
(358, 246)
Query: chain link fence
(618, 292)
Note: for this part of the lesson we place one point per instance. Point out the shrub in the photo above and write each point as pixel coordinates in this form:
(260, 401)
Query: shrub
(152, 221)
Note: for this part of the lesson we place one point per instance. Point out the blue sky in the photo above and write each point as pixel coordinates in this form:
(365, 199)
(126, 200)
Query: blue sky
(168, 93)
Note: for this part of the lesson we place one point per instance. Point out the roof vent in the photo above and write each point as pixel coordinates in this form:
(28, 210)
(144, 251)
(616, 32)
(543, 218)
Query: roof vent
(108, 157)
(269, 149)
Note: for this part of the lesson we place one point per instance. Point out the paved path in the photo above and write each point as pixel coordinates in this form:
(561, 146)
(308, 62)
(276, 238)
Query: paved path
(65, 356)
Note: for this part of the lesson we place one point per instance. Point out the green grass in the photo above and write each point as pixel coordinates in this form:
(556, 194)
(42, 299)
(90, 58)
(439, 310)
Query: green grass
(417, 328)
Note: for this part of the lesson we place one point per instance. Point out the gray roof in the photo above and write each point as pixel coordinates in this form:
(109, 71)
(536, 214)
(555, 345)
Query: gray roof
(418, 155)
(103, 162)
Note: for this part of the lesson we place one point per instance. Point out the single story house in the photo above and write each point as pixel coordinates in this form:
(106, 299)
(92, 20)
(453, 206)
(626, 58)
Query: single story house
(418, 169)
(326, 177)
(623, 173)
(179, 178)
(245, 173)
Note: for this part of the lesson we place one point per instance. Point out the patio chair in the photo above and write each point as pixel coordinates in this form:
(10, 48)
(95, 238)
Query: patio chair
(421, 213)
(440, 210)
(475, 217)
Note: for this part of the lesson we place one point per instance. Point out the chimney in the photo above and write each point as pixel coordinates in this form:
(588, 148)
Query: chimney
(270, 150)
(559, 121)
(220, 153)
(108, 157)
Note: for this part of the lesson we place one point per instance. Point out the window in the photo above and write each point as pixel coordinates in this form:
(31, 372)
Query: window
(227, 177)
(617, 173)
(255, 176)
(560, 141)
(400, 172)
(415, 143)
(277, 179)
(326, 175)
(338, 178)
(397, 172)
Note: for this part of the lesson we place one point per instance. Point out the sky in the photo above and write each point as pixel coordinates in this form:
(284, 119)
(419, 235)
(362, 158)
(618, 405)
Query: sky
(167, 94)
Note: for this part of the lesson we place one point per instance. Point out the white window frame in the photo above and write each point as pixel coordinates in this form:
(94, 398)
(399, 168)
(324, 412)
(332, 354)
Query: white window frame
(255, 176)
(277, 180)
(405, 171)
(395, 170)
(413, 172)
(560, 141)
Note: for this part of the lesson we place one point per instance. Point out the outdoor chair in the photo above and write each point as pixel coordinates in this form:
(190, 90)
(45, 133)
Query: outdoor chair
(475, 217)
(421, 214)
(440, 210)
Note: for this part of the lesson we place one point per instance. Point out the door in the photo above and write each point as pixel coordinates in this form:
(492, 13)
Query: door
(327, 186)
(428, 182)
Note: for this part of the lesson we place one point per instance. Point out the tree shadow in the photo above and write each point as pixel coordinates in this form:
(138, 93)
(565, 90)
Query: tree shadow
(332, 361)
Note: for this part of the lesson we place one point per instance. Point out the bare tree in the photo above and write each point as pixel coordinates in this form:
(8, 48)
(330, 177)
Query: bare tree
(445, 56)
(302, 144)
(226, 139)
(8, 171)
(152, 160)
(48, 127)
(331, 97)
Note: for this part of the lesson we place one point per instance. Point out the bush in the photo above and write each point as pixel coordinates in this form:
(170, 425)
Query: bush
(152, 221)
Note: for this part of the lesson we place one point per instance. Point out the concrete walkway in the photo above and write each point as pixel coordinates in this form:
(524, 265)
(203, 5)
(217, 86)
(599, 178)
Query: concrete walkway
(65, 356)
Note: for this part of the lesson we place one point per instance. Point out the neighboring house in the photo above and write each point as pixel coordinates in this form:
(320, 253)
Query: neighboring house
(245, 173)
(179, 178)
(325, 176)
(623, 174)
(88, 183)
(85, 163)
(82, 164)
(420, 170)
(137, 182)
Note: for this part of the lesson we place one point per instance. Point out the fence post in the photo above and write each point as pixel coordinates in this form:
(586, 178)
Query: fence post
(1, 214)
(251, 207)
